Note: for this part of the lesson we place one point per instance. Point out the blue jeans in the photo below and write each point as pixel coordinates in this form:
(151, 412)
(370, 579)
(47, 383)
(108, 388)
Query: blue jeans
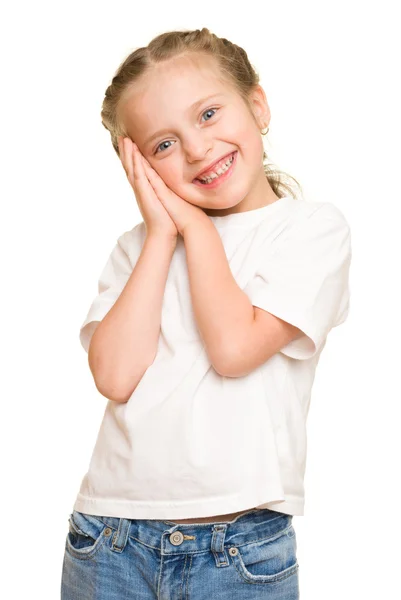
(250, 557)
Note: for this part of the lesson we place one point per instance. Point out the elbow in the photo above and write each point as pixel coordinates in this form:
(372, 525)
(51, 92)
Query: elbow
(231, 369)
(228, 365)
(113, 393)
(234, 361)
(119, 388)
(110, 386)
(218, 361)
(106, 384)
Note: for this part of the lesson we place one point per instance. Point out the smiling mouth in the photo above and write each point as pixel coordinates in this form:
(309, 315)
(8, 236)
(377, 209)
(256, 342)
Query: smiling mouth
(214, 181)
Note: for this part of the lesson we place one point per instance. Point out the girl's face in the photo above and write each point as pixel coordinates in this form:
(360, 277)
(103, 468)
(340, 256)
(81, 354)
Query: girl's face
(183, 117)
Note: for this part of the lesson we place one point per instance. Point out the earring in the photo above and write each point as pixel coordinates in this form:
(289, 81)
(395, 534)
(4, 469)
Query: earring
(264, 132)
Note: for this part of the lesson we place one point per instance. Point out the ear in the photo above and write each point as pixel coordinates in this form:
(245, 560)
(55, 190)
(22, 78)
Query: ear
(260, 107)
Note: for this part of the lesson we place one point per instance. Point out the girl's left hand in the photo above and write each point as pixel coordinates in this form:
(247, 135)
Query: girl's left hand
(183, 213)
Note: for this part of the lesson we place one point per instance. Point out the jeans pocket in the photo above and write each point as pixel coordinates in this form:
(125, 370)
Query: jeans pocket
(268, 560)
(86, 535)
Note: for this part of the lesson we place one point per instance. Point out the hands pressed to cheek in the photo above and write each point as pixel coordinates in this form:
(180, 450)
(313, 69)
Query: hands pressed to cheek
(136, 152)
(182, 212)
(146, 164)
(153, 176)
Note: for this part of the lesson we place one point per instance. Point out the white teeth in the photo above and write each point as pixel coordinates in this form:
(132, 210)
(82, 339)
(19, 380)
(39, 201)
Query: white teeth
(219, 171)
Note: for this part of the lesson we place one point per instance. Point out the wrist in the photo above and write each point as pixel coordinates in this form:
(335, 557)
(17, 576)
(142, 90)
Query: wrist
(161, 239)
(197, 225)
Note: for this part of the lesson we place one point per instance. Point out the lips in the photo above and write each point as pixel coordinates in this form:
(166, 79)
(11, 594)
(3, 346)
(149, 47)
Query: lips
(221, 179)
(213, 164)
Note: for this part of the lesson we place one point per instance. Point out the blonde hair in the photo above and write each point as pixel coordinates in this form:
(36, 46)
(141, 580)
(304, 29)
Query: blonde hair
(233, 64)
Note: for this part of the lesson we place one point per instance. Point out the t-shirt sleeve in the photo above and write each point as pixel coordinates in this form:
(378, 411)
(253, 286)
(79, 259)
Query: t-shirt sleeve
(111, 282)
(305, 280)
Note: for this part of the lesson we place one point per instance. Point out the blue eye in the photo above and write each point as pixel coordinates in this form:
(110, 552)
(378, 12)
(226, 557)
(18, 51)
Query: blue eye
(161, 144)
(157, 152)
(209, 109)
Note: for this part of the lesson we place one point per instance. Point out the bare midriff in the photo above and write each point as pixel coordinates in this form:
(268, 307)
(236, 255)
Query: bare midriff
(228, 517)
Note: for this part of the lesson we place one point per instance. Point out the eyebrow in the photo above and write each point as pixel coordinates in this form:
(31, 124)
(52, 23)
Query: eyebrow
(191, 108)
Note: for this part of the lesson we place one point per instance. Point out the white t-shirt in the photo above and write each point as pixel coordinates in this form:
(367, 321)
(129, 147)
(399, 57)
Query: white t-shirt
(189, 442)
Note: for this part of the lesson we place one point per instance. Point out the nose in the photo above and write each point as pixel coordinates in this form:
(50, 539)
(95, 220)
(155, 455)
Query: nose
(197, 148)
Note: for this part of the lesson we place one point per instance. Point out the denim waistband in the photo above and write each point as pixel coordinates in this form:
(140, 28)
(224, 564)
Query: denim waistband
(184, 538)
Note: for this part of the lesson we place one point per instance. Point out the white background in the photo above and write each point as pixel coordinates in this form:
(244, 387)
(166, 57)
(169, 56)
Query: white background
(330, 74)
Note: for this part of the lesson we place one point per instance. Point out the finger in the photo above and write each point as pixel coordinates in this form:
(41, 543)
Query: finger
(121, 149)
(157, 182)
(141, 174)
(122, 152)
(149, 167)
(149, 170)
(152, 177)
(129, 160)
(154, 181)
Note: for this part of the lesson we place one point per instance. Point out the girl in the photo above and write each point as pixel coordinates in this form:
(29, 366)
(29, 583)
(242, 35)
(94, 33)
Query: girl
(209, 322)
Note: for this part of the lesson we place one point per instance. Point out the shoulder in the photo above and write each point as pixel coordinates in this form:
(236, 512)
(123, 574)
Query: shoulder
(312, 227)
(318, 211)
(315, 217)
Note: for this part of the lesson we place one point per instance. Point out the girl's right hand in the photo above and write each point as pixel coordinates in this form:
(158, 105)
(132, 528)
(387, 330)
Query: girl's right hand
(156, 217)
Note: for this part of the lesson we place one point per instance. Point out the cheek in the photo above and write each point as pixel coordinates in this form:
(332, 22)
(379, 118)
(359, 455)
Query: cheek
(165, 172)
(251, 146)
(171, 176)
(248, 137)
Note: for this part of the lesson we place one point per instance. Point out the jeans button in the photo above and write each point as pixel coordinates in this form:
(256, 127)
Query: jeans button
(176, 538)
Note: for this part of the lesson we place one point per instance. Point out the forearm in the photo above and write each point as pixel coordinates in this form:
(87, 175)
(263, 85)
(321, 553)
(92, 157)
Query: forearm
(223, 312)
(125, 342)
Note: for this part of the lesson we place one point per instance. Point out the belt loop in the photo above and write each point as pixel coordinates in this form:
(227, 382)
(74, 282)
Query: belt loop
(217, 546)
(121, 535)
